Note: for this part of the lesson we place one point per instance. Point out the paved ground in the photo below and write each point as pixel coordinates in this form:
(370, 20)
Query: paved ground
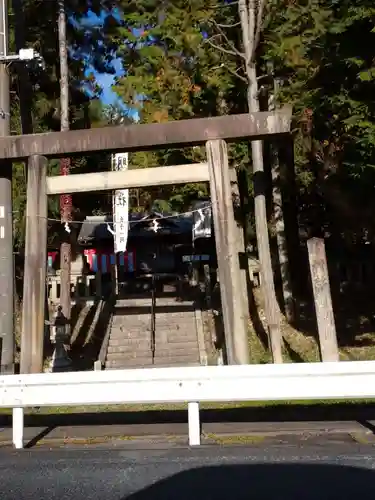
(290, 472)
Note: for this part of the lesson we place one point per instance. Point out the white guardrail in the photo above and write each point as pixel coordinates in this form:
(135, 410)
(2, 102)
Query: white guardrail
(192, 385)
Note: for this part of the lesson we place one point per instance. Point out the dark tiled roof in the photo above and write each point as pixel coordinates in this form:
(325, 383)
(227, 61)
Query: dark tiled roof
(95, 227)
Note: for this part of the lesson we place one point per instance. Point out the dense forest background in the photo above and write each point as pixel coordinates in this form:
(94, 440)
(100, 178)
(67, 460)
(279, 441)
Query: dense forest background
(184, 59)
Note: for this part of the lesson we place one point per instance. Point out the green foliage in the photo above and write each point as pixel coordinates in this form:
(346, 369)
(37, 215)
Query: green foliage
(322, 51)
(84, 43)
(173, 72)
(182, 59)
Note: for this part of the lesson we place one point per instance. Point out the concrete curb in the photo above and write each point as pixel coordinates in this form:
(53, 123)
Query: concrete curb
(219, 434)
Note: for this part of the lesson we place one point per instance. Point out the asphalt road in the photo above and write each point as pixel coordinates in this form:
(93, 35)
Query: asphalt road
(284, 473)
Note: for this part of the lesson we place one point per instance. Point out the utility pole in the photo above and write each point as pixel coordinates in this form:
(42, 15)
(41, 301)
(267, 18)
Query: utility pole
(65, 200)
(24, 85)
(6, 222)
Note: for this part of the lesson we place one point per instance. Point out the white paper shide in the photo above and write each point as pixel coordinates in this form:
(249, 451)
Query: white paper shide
(120, 206)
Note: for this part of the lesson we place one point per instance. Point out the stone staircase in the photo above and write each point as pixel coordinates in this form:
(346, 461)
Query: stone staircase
(178, 339)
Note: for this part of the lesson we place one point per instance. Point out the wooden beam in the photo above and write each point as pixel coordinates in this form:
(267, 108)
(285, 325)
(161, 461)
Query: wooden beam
(240, 240)
(152, 136)
(232, 305)
(34, 283)
(100, 181)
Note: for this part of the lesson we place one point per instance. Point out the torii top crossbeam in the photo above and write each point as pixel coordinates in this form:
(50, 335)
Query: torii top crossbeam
(190, 132)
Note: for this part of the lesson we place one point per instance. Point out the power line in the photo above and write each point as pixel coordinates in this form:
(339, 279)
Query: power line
(162, 217)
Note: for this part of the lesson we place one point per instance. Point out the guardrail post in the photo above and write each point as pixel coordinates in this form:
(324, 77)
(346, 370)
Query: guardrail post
(194, 424)
(17, 427)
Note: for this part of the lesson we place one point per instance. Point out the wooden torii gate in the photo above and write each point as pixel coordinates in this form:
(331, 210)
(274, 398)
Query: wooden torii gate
(215, 132)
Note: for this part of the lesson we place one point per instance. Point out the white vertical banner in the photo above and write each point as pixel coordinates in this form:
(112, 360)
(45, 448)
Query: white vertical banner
(120, 206)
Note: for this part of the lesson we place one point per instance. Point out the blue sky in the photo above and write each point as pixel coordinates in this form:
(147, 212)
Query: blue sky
(105, 80)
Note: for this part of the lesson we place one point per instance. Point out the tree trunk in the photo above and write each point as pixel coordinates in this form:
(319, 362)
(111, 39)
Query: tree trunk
(247, 13)
(278, 180)
(282, 247)
(65, 200)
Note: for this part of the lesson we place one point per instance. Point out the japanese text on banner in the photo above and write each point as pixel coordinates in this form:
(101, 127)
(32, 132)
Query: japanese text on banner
(120, 206)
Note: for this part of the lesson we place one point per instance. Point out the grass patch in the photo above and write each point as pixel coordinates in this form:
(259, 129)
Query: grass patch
(360, 438)
(234, 439)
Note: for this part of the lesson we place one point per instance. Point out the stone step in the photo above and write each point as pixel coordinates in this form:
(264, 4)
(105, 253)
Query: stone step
(129, 334)
(129, 322)
(147, 302)
(145, 345)
(129, 313)
(133, 302)
(161, 321)
(142, 362)
(123, 319)
(131, 342)
(147, 362)
(173, 327)
(145, 316)
(171, 318)
(164, 337)
(167, 318)
(167, 302)
(175, 335)
(119, 338)
(192, 354)
(159, 365)
(132, 312)
(181, 319)
(182, 336)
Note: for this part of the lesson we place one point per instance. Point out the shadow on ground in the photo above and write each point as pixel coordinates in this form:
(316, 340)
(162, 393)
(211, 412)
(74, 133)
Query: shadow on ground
(264, 482)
